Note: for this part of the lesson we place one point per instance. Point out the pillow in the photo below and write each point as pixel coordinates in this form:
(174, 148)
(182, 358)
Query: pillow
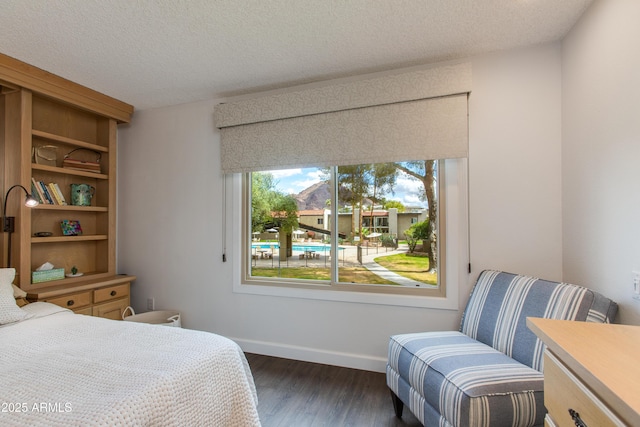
(18, 293)
(9, 310)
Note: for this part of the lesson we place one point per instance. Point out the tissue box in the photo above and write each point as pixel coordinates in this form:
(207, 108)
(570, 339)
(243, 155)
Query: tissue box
(47, 275)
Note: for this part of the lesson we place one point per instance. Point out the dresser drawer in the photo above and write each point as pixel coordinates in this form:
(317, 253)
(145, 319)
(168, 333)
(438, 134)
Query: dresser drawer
(104, 298)
(110, 310)
(563, 392)
(110, 293)
(72, 301)
(86, 311)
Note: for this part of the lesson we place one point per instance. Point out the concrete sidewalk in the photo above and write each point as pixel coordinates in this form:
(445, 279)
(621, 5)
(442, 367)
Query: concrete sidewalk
(374, 267)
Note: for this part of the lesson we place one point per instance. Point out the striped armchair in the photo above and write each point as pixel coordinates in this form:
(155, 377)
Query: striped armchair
(489, 373)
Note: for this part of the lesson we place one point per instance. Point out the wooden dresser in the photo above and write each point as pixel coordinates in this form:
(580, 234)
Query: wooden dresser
(591, 373)
(105, 298)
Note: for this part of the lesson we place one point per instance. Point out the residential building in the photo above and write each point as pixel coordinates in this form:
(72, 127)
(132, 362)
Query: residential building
(389, 221)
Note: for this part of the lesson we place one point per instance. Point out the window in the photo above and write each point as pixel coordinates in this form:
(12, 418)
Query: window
(387, 117)
(376, 228)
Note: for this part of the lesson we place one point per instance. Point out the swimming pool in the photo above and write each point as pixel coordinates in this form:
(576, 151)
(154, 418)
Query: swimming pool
(301, 248)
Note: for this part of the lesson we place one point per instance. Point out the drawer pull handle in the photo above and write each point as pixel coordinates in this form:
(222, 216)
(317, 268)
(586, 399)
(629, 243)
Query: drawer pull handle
(576, 418)
(70, 303)
(113, 293)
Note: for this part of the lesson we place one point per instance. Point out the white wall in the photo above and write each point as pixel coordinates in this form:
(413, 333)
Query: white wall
(601, 152)
(169, 219)
(514, 161)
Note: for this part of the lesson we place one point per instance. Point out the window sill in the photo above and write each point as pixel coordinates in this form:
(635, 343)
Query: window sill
(325, 294)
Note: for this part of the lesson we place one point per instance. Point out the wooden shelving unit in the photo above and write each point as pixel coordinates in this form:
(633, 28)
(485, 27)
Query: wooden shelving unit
(38, 109)
(67, 128)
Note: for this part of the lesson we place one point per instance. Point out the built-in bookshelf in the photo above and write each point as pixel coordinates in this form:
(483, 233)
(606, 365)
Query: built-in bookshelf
(39, 109)
(67, 128)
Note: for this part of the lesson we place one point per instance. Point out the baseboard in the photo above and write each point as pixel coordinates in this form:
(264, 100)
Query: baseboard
(307, 354)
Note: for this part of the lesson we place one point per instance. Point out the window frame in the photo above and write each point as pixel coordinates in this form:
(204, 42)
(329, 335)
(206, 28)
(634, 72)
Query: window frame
(451, 276)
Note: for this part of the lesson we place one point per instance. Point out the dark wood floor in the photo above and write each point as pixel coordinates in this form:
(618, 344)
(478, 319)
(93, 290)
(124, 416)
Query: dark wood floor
(302, 394)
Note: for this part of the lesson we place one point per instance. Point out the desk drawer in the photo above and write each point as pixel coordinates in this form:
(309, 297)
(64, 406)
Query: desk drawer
(110, 293)
(564, 392)
(72, 301)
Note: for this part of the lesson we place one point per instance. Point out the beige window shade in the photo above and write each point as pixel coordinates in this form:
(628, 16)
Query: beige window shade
(419, 115)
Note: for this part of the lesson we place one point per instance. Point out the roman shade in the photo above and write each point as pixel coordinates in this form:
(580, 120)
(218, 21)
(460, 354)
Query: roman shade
(406, 116)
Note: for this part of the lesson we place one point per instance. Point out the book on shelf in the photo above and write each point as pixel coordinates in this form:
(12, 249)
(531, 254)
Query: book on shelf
(57, 196)
(45, 191)
(52, 193)
(40, 191)
(36, 192)
(60, 195)
(47, 194)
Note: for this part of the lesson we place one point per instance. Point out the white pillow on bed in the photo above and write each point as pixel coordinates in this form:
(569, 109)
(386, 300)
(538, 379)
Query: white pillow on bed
(18, 293)
(9, 310)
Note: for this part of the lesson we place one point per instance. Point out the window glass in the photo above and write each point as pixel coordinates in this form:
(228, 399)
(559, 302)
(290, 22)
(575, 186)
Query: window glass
(385, 218)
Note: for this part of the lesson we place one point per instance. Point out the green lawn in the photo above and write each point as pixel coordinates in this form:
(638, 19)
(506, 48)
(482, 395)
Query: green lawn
(407, 265)
(411, 266)
(347, 274)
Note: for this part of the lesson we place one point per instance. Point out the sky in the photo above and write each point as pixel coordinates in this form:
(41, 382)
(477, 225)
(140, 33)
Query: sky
(293, 181)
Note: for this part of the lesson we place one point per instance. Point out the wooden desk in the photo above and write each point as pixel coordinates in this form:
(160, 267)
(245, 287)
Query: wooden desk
(591, 368)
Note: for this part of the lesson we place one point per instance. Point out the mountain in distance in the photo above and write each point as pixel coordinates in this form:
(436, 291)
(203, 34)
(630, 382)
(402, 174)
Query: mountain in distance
(314, 197)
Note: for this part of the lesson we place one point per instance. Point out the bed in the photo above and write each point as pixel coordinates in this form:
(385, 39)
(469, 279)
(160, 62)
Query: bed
(63, 369)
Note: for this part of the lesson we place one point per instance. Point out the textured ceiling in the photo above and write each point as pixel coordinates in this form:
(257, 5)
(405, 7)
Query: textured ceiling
(153, 53)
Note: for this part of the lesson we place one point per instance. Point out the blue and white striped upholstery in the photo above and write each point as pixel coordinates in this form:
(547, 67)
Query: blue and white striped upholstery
(488, 373)
(466, 382)
(500, 303)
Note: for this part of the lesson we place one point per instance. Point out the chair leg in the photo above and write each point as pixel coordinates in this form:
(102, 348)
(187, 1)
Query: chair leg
(398, 405)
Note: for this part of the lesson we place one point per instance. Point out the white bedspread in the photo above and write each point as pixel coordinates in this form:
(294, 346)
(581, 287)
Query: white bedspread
(63, 369)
